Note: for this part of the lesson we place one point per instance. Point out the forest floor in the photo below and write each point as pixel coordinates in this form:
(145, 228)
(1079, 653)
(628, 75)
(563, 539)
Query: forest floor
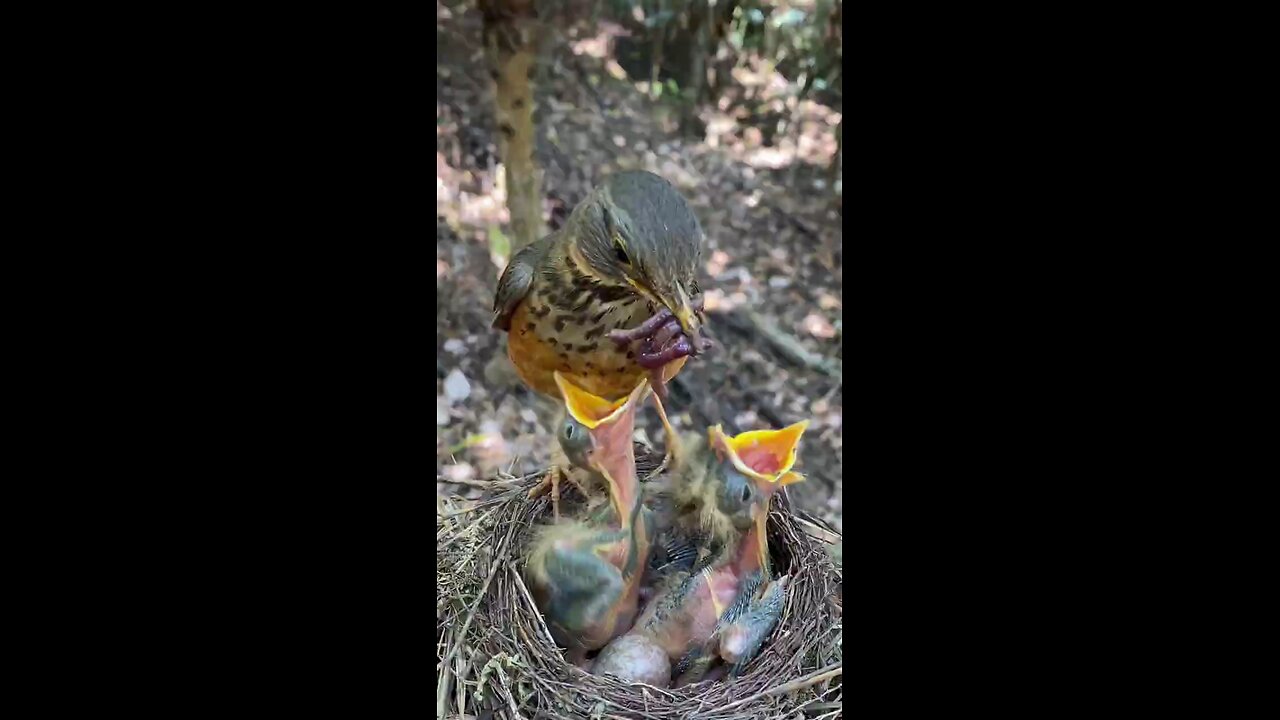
(772, 275)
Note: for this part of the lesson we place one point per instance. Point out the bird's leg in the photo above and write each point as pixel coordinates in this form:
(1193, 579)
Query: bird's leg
(550, 480)
(569, 471)
(560, 468)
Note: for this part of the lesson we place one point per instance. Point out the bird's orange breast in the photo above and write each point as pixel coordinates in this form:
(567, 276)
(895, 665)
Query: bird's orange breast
(542, 341)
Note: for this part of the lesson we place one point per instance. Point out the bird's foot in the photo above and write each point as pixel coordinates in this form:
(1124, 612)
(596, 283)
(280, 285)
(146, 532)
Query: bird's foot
(568, 474)
(551, 481)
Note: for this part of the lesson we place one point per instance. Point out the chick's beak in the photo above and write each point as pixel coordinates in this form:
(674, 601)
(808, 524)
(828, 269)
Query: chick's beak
(765, 456)
(614, 455)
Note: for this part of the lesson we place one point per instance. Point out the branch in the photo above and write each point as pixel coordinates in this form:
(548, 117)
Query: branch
(797, 222)
(804, 682)
(788, 347)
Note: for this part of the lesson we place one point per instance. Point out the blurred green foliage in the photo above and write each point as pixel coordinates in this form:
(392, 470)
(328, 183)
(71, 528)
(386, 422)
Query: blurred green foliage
(800, 40)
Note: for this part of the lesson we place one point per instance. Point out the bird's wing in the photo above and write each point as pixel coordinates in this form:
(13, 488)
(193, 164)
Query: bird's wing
(679, 552)
(755, 625)
(746, 597)
(516, 280)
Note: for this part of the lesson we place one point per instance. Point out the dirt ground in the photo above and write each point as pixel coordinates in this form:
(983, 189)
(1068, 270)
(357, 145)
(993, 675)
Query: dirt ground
(772, 262)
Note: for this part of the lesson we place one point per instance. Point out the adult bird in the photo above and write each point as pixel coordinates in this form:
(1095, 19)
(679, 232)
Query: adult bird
(610, 298)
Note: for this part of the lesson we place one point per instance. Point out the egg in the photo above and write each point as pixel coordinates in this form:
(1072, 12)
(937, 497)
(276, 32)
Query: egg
(635, 658)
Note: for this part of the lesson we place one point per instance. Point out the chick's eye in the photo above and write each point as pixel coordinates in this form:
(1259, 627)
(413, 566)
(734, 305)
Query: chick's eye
(621, 254)
(746, 494)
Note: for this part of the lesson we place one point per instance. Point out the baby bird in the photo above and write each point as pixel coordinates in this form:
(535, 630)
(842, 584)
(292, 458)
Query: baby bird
(585, 575)
(693, 513)
(583, 413)
(726, 595)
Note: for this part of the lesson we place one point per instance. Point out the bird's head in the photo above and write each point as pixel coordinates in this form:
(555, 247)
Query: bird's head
(751, 467)
(596, 435)
(636, 232)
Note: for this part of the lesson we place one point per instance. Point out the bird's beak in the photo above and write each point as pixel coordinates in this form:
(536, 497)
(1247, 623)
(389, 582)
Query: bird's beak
(765, 456)
(681, 307)
(588, 409)
(610, 424)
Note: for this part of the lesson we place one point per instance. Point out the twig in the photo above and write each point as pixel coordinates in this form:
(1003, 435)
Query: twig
(442, 690)
(444, 670)
(454, 513)
(800, 225)
(460, 702)
(815, 706)
(527, 596)
(511, 701)
(655, 689)
(478, 483)
(826, 535)
(804, 682)
(461, 534)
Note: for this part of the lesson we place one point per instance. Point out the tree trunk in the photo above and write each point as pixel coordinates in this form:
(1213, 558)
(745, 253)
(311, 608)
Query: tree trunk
(511, 38)
(655, 72)
(836, 38)
(837, 165)
(691, 97)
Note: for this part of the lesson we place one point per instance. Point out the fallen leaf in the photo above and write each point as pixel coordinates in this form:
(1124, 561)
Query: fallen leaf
(716, 265)
(461, 471)
(817, 326)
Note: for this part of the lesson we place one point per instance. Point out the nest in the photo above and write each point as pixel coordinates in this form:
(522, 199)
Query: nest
(496, 657)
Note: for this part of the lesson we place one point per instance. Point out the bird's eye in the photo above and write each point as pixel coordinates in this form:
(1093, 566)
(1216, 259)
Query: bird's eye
(568, 431)
(621, 253)
(746, 494)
